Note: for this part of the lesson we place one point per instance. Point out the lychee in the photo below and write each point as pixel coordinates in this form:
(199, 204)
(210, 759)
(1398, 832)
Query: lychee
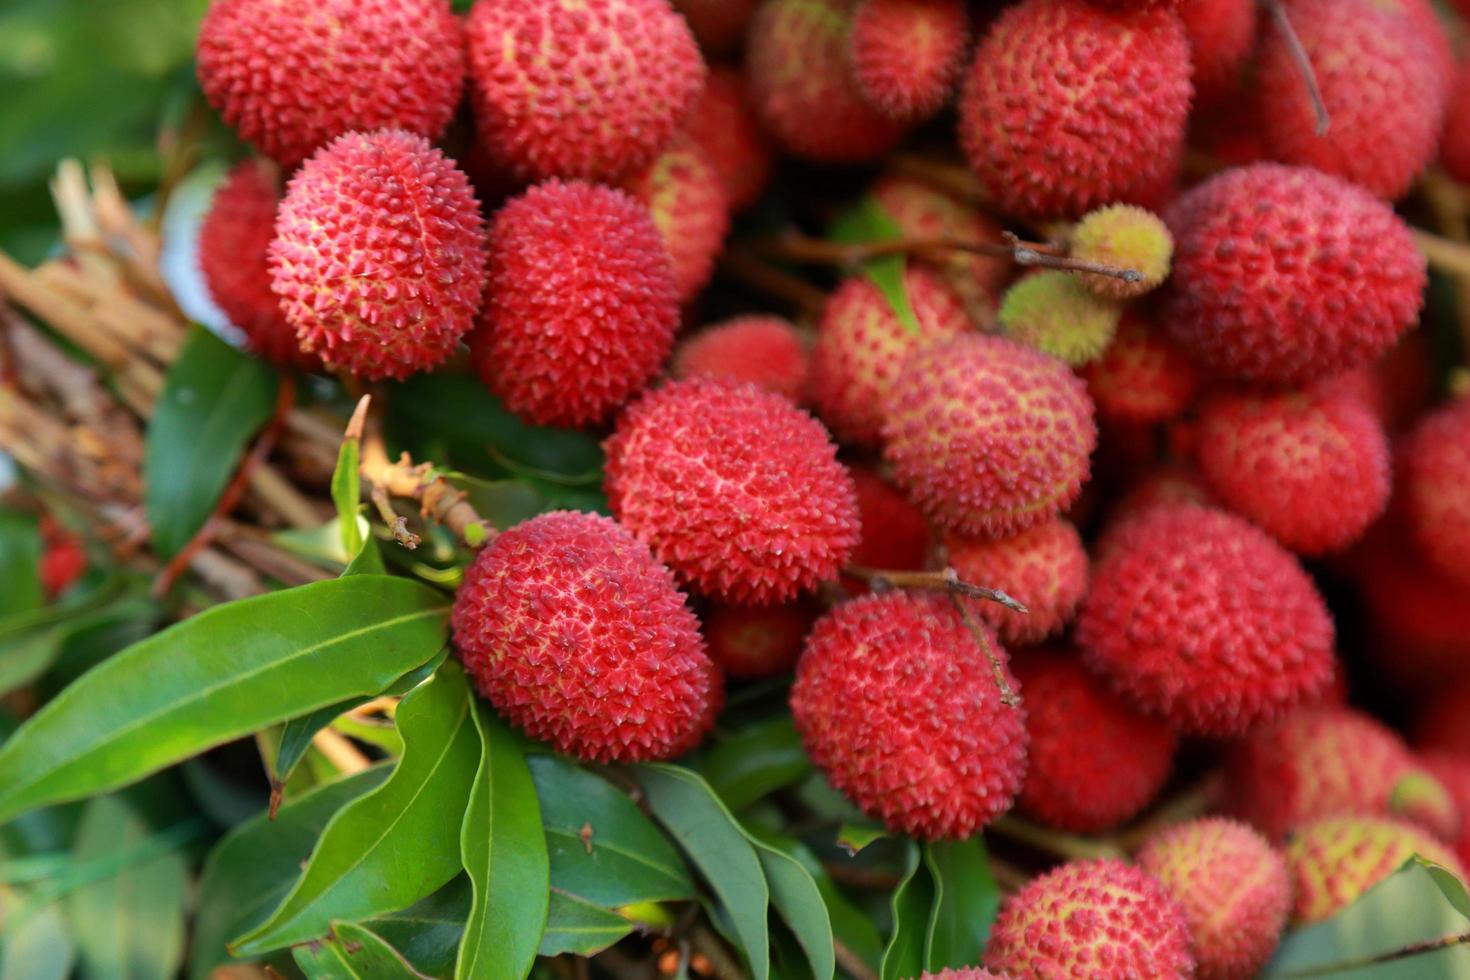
(1056, 314)
(1143, 376)
(1452, 771)
(719, 25)
(1126, 237)
(1434, 475)
(965, 973)
(1043, 567)
(1334, 861)
(1222, 34)
(765, 350)
(725, 127)
(907, 54)
(685, 197)
(895, 535)
(751, 643)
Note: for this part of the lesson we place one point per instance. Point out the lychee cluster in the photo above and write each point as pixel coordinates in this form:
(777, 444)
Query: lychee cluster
(764, 350)
(1334, 861)
(1043, 567)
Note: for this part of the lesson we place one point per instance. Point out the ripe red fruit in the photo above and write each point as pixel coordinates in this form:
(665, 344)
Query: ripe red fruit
(686, 199)
(1434, 481)
(1334, 861)
(724, 126)
(751, 643)
(1201, 619)
(1452, 771)
(576, 635)
(1221, 36)
(1283, 275)
(764, 350)
(292, 75)
(907, 54)
(1043, 567)
(379, 255)
(1143, 376)
(734, 488)
(932, 752)
(895, 535)
(1052, 129)
(581, 309)
(1094, 761)
(579, 88)
(989, 436)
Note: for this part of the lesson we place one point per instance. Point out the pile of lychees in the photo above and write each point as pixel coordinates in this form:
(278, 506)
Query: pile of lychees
(1149, 346)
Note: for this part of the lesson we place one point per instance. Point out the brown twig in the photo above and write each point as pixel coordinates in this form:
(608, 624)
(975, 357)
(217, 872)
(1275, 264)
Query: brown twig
(396, 522)
(1277, 9)
(947, 581)
(1008, 695)
(439, 500)
(1392, 956)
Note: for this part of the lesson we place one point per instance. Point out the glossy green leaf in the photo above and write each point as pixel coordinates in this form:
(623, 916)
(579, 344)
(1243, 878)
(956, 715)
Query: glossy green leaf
(428, 932)
(225, 673)
(37, 949)
(966, 900)
(913, 901)
(854, 838)
(352, 953)
(32, 642)
(850, 925)
(369, 560)
(214, 399)
(1451, 886)
(755, 762)
(867, 222)
(399, 843)
(575, 925)
(347, 495)
(20, 564)
(799, 902)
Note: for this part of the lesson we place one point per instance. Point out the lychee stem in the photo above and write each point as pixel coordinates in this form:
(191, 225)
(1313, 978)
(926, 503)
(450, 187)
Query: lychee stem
(1446, 255)
(946, 581)
(1008, 696)
(1069, 847)
(1303, 63)
(439, 500)
(1402, 953)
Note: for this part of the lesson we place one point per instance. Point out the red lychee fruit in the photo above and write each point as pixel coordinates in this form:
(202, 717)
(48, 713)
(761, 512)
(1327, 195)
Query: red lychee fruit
(292, 75)
(1043, 567)
(233, 239)
(1443, 722)
(898, 706)
(1052, 129)
(1222, 34)
(685, 197)
(725, 127)
(751, 643)
(907, 54)
(800, 82)
(1094, 761)
(1127, 237)
(1334, 861)
(989, 437)
(1234, 889)
(764, 350)
(1454, 147)
(1310, 467)
(719, 25)
(862, 343)
(581, 307)
(1143, 376)
(579, 88)
(379, 255)
(1204, 621)
(1452, 771)
(63, 558)
(734, 488)
(965, 973)
(895, 535)
(575, 634)
(1434, 480)
(1283, 275)
(1104, 920)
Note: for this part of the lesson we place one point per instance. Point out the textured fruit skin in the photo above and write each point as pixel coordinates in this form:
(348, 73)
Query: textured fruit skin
(1052, 129)
(907, 54)
(894, 534)
(1234, 889)
(1379, 82)
(233, 239)
(965, 973)
(1454, 146)
(752, 643)
(581, 307)
(987, 436)
(1222, 34)
(1283, 275)
(764, 350)
(379, 255)
(929, 705)
(719, 25)
(1128, 237)
(1094, 761)
(862, 344)
(1043, 567)
(1452, 771)
(292, 75)
(1309, 467)
(1200, 618)
(579, 88)
(1143, 376)
(1434, 467)
(800, 83)
(1103, 920)
(1334, 861)
(685, 197)
(1055, 313)
(575, 634)
(726, 128)
(734, 488)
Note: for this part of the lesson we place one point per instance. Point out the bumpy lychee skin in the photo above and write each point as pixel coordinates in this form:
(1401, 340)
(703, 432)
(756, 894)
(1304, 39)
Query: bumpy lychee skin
(1434, 468)
(752, 643)
(862, 344)
(292, 75)
(1143, 376)
(734, 488)
(379, 255)
(988, 436)
(1094, 761)
(1058, 315)
(579, 88)
(895, 535)
(929, 704)
(1203, 620)
(1222, 34)
(719, 25)
(1283, 275)
(1310, 467)
(581, 307)
(800, 82)
(764, 350)
(1334, 861)
(1052, 129)
(1043, 567)
(907, 54)
(578, 636)
(233, 239)
(1127, 237)
(965, 973)
(685, 197)
(1234, 889)
(1103, 920)
(725, 127)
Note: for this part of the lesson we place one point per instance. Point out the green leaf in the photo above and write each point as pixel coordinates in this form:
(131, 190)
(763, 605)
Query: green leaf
(575, 925)
(214, 399)
(867, 222)
(797, 898)
(32, 642)
(1450, 886)
(20, 563)
(39, 948)
(353, 953)
(224, 673)
(912, 901)
(966, 900)
(854, 838)
(369, 560)
(755, 762)
(427, 933)
(399, 843)
(347, 495)
(850, 924)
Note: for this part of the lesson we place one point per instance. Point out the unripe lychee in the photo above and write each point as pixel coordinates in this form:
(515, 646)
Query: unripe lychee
(292, 75)
(1043, 567)
(764, 350)
(895, 535)
(989, 436)
(1143, 376)
(1203, 620)
(862, 344)
(893, 685)
(1334, 861)
(1222, 34)
(579, 88)
(1283, 275)
(685, 197)
(1126, 237)
(1055, 313)
(1094, 761)
(1434, 479)
(1052, 129)
(576, 635)
(907, 54)
(581, 308)
(1234, 889)
(719, 25)
(724, 126)
(1104, 920)
(751, 643)
(734, 488)
(379, 255)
